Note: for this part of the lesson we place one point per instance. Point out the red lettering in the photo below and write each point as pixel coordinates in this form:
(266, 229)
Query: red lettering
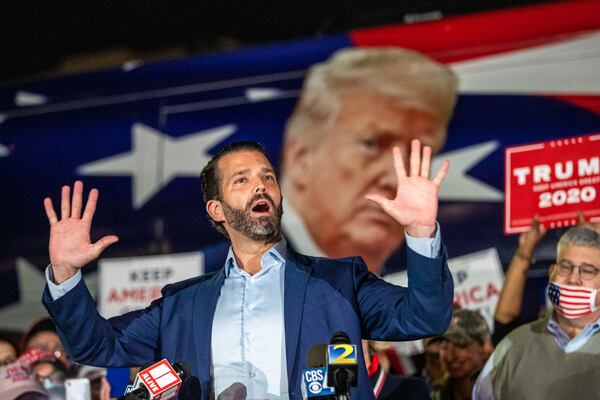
(491, 290)
(149, 382)
(113, 296)
(473, 294)
(457, 300)
(142, 294)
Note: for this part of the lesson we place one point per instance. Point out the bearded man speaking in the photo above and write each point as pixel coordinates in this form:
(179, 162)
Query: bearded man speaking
(246, 329)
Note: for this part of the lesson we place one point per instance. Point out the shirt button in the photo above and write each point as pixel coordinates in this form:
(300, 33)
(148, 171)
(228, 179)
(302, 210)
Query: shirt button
(252, 374)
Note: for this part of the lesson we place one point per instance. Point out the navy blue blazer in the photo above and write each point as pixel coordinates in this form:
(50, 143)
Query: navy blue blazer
(321, 296)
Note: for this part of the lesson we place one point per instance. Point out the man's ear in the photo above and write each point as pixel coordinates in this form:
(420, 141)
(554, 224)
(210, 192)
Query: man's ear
(295, 163)
(214, 208)
(488, 347)
(552, 272)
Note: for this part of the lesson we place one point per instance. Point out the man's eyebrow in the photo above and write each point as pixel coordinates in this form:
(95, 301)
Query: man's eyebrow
(239, 172)
(267, 169)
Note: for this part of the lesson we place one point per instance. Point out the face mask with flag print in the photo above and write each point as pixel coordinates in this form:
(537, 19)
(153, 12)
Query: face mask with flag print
(572, 301)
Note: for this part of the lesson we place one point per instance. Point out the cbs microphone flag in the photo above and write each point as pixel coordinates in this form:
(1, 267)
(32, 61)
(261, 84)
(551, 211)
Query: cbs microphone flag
(555, 179)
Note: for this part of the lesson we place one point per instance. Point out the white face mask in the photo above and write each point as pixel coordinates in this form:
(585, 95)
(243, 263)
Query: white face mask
(572, 301)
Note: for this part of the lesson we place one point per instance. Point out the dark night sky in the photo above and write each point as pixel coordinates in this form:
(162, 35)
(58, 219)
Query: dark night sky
(37, 36)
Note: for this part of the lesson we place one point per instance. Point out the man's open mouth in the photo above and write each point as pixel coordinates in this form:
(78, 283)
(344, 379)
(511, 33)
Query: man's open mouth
(261, 206)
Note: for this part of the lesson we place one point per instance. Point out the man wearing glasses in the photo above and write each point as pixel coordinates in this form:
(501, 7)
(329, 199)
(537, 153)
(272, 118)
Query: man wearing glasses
(555, 357)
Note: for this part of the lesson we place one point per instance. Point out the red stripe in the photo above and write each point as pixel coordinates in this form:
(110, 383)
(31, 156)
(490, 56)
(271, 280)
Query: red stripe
(583, 307)
(380, 382)
(572, 314)
(571, 303)
(574, 296)
(583, 290)
(574, 310)
(591, 103)
(466, 37)
(374, 365)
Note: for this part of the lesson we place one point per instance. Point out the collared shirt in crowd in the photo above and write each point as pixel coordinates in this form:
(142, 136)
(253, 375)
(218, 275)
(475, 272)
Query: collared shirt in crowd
(483, 387)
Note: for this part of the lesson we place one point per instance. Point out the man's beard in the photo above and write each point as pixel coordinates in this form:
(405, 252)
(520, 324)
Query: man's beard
(265, 228)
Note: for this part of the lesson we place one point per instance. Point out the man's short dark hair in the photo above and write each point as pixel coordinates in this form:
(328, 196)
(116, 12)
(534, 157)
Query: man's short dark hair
(211, 178)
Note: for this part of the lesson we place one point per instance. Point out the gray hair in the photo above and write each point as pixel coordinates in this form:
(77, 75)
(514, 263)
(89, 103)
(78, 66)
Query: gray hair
(579, 236)
(399, 73)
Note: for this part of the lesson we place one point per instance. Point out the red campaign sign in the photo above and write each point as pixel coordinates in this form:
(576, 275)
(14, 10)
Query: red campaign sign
(554, 179)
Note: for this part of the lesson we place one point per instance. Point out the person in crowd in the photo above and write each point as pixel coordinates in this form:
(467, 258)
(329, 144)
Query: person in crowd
(387, 386)
(252, 323)
(8, 351)
(17, 383)
(433, 371)
(508, 308)
(353, 109)
(50, 371)
(464, 349)
(42, 335)
(555, 357)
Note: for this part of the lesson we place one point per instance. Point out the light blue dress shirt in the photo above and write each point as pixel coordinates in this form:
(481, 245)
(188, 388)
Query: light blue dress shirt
(248, 339)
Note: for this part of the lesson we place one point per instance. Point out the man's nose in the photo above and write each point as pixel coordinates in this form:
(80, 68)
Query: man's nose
(574, 279)
(259, 187)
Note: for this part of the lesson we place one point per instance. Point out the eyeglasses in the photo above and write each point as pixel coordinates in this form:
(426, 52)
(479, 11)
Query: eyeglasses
(586, 271)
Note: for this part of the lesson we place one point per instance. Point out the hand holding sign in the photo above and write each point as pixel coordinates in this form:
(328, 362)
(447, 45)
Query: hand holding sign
(595, 226)
(70, 244)
(529, 240)
(555, 179)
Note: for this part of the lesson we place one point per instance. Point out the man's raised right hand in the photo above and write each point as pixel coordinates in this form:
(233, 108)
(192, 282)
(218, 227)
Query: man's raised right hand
(70, 245)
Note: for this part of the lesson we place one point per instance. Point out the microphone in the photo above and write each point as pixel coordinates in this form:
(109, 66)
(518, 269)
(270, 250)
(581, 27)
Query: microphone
(313, 378)
(158, 381)
(342, 365)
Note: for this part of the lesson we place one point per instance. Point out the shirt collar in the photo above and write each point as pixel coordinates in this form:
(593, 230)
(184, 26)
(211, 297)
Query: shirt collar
(275, 255)
(561, 336)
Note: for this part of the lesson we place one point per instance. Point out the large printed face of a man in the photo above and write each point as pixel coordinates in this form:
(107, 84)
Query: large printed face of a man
(250, 195)
(354, 158)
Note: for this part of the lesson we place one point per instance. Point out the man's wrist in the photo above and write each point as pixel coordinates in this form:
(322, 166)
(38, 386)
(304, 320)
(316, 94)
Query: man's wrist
(61, 274)
(525, 256)
(421, 231)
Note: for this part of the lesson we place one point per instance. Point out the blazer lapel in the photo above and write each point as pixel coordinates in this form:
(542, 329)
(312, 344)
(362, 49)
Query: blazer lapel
(205, 303)
(296, 280)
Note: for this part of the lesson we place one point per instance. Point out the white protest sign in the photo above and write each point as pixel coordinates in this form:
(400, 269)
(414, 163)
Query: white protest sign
(478, 278)
(127, 284)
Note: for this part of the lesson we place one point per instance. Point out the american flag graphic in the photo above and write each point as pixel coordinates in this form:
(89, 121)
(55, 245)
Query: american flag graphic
(571, 301)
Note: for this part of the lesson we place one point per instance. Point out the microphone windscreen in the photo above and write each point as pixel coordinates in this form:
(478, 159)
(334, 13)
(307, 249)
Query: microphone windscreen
(340, 338)
(182, 369)
(146, 365)
(317, 356)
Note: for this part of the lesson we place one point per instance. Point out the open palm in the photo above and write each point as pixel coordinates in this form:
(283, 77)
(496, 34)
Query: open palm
(416, 203)
(70, 244)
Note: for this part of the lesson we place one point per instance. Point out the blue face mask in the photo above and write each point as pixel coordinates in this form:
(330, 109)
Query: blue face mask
(55, 388)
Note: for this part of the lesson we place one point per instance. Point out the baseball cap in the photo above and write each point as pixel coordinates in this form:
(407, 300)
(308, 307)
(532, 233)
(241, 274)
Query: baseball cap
(466, 326)
(16, 381)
